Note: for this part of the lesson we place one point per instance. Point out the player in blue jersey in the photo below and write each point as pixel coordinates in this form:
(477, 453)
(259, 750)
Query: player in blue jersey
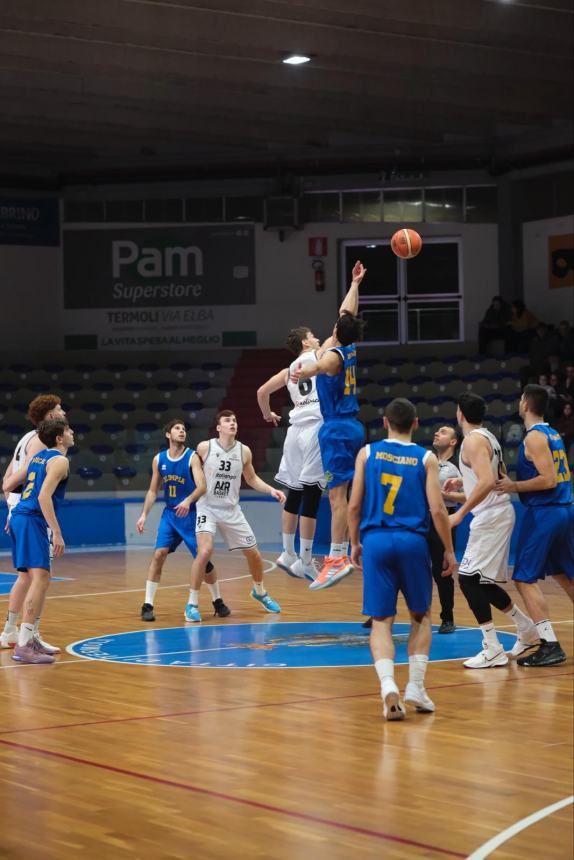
(179, 472)
(546, 538)
(35, 513)
(396, 491)
(341, 436)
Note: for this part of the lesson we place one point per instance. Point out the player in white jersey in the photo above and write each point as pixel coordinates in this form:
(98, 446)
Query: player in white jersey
(225, 460)
(301, 467)
(43, 407)
(485, 562)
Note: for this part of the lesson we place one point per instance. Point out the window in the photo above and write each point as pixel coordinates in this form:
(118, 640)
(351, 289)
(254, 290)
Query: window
(403, 206)
(443, 204)
(322, 207)
(361, 206)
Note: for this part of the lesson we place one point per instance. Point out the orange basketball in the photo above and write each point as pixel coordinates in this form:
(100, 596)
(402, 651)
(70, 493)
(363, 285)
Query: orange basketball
(406, 243)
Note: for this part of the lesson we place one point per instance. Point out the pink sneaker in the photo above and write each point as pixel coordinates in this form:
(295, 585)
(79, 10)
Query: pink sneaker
(30, 653)
(333, 570)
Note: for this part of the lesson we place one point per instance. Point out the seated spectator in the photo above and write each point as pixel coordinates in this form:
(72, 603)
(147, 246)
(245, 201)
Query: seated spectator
(520, 327)
(565, 425)
(566, 388)
(493, 325)
(543, 349)
(551, 409)
(566, 341)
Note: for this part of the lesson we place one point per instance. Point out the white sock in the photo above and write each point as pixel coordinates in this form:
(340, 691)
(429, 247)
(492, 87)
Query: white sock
(26, 633)
(337, 550)
(385, 669)
(417, 668)
(289, 543)
(12, 618)
(522, 621)
(545, 631)
(306, 551)
(193, 596)
(214, 590)
(489, 635)
(150, 590)
(259, 588)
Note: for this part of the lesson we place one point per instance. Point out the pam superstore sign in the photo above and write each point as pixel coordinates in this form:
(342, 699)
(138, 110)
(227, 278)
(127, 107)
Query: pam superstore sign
(158, 267)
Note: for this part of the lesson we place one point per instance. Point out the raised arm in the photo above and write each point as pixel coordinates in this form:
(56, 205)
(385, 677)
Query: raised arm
(439, 513)
(264, 392)
(355, 506)
(151, 495)
(477, 453)
(56, 470)
(329, 363)
(350, 303)
(255, 481)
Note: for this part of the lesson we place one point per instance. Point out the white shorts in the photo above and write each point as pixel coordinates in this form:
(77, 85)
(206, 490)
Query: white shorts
(301, 462)
(488, 545)
(234, 528)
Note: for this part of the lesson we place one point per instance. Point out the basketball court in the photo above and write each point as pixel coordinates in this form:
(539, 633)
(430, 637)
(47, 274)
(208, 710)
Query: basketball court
(260, 736)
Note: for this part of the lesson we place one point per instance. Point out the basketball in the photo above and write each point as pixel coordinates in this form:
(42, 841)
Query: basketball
(406, 243)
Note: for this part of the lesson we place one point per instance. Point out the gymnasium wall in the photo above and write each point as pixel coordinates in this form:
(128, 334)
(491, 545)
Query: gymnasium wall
(32, 294)
(550, 295)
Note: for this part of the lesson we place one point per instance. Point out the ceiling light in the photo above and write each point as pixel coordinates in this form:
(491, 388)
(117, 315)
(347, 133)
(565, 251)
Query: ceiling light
(296, 59)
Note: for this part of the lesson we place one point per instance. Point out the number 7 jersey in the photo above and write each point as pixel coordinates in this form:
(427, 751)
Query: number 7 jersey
(395, 487)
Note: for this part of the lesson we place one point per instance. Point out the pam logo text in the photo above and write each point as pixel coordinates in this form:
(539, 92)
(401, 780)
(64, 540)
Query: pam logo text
(156, 262)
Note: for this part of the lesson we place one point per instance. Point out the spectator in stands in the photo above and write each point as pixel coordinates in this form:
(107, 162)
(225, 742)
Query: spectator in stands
(551, 408)
(565, 341)
(566, 388)
(521, 327)
(493, 324)
(543, 345)
(565, 426)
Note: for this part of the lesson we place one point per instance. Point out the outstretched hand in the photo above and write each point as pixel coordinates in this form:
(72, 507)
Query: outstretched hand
(358, 272)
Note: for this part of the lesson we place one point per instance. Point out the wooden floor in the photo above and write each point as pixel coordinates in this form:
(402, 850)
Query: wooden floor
(103, 760)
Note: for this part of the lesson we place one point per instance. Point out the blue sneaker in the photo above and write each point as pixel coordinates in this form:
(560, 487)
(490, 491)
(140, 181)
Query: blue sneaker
(266, 601)
(192, 612)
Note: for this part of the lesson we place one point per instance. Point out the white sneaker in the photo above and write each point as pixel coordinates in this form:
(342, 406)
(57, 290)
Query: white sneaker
(523, 642)
(286, 561)
(9, 639)
(488, 658)
(419, 698)
(393, 708)
(305, 571)
(45, 646)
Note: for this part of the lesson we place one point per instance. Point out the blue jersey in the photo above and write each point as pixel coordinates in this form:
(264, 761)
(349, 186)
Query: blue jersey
(338, 394)
(176, 478)
(36, 475)
(561, 494)
(395, 487)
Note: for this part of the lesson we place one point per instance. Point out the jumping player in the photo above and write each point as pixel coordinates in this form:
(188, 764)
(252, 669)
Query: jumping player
(396, 486)
(546, 538)
(485, 562)
(178, 470)
(35, 513)
(341, 435)
(301, 469)
(43, 407)
(225, 460)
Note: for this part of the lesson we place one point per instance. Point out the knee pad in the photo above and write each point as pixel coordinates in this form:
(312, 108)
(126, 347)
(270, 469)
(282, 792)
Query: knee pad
(311, 501)
(293, 501)
(209, 567)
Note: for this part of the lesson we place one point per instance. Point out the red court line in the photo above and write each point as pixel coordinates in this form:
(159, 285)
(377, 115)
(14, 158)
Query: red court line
(254, 804)
(251, 706)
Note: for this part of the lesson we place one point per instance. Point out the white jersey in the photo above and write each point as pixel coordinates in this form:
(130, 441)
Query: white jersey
(446, 470)
(304, 393)
(17, 463)
(223, 470)
(470, 480)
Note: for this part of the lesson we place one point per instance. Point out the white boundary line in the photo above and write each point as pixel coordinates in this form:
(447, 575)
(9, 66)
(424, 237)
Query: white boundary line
(494, 843)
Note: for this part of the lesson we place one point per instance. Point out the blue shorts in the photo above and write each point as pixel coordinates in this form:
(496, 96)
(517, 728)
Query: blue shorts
(545, 543)
(395, 560)
(173, 530)
(30, 542)
(340, 440)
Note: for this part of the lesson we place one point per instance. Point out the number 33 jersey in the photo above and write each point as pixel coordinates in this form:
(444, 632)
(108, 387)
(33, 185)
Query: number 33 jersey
(223, 470)
(304, 393)
(395, 487)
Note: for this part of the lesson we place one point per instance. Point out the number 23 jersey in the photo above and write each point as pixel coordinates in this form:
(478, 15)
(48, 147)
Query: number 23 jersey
(223, 470)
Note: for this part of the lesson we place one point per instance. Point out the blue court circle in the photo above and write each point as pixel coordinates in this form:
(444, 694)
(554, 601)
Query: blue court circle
(309, 644)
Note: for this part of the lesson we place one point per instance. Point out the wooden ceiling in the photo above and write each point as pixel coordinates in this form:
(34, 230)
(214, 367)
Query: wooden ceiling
(105, 88)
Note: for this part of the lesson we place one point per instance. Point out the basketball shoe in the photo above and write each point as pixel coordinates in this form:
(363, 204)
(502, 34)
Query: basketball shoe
(333, 570)
(393, 708)
(147, 612)
(488, 658)
(266, 601)
(192, 612)
(305, 571)
(9, 638)
(31, 652)
(45, 647)
(419, 698)
(524, 643)
(286, 561)
(548, 654)
(220, 608)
